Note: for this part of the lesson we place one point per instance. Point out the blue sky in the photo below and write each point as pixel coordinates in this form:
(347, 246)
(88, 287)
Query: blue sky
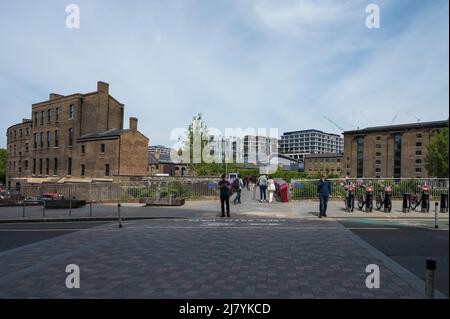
(248, 63)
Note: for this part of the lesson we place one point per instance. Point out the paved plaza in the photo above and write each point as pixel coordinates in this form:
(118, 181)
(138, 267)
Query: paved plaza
(210, 258)
(263, 251)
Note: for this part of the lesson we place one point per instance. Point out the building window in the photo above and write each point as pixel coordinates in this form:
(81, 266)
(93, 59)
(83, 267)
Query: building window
(56, 138)
(378, 138)
(102, 148)
(360, 157)
(418, 144)
(36, 118)
(83, 149)
(69, 166)
(34, 166)
(378, 154)
(418, 169)
(70, 136)
(49, 116)
(419, 135)
(48, 138)
(47, 167)
(42, 139)
(107, 170)
(57, 114)
(27, 132)
(397, 155)
(21, 133)
(83, 170)
(27, 148)
(41, 164)
(418, 161)
(377, 162)
(42, 117)
(418, 153)
(35, 140)
(378, 146)
(71, 112)
(378, 170)
(55, 167)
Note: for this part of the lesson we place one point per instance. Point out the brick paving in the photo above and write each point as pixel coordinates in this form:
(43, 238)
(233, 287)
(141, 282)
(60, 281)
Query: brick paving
(203, 258)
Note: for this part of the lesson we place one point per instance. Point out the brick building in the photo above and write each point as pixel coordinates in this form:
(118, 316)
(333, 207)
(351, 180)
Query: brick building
(389, 151)
(323, 163)
(75, 138)
(161, 163)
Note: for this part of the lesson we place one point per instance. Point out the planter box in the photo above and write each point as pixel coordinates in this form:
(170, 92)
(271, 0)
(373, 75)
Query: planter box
(64, 204)
(163, 201)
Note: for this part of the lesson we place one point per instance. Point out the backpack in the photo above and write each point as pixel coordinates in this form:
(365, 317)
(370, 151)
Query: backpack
(235, 185)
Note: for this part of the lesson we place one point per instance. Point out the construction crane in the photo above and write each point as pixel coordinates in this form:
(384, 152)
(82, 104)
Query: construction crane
(394, 118)
(334, 123)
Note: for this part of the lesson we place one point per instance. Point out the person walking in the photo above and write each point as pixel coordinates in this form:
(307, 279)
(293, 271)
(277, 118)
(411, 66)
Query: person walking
(225, 189)
(324, 190)
(271, 188)
(262, 182)
(238, 184)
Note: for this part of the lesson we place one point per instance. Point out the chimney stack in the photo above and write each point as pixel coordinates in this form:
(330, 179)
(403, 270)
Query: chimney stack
(157, 154)
(133, 124)
(53, 96)
(102, 87)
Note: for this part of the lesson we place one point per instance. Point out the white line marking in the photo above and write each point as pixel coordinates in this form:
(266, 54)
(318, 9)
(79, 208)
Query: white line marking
(374, 228)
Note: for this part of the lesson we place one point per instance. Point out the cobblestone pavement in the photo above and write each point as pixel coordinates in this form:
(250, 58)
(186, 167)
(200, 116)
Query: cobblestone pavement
(205, 258)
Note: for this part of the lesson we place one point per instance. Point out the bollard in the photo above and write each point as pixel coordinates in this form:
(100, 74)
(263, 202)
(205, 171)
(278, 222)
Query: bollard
(436, 225)
(425, 203)
(406, 202)
(119, 216)
(430, 278)
(444, 203)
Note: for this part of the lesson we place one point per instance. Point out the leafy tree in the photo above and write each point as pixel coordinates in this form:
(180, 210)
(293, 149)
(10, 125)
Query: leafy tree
(198, 131)
(436, 158)
(2, 165)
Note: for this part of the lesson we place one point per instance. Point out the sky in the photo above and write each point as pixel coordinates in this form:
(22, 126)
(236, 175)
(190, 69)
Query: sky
(283, 64)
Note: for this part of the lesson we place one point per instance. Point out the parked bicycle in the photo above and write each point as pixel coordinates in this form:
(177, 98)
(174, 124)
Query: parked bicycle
(385, 199)
(366, 200)
(421, 198)
(349, 200)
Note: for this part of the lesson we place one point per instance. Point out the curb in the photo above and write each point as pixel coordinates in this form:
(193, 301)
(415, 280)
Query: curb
(80, 219)
(415, 282)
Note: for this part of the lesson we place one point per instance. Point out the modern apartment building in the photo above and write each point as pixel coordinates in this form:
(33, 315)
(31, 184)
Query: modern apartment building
(75, 138)
(161, 149)
(389, 151)
(300, 143)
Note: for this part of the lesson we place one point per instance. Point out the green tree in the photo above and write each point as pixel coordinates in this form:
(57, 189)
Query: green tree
(2, 165)
(198, 131)
(436, 158)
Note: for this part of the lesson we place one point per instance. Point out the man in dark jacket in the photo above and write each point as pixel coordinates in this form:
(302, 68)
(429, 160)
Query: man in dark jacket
(324, 190)
(225, 189)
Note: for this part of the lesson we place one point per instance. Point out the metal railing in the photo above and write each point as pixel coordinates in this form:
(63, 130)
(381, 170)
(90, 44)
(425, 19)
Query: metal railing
(307, 189)
(125, 192)
(207, 188)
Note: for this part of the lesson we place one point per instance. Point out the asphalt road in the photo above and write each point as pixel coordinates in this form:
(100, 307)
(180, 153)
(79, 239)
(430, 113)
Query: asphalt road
(409, 245)
(20, 234)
